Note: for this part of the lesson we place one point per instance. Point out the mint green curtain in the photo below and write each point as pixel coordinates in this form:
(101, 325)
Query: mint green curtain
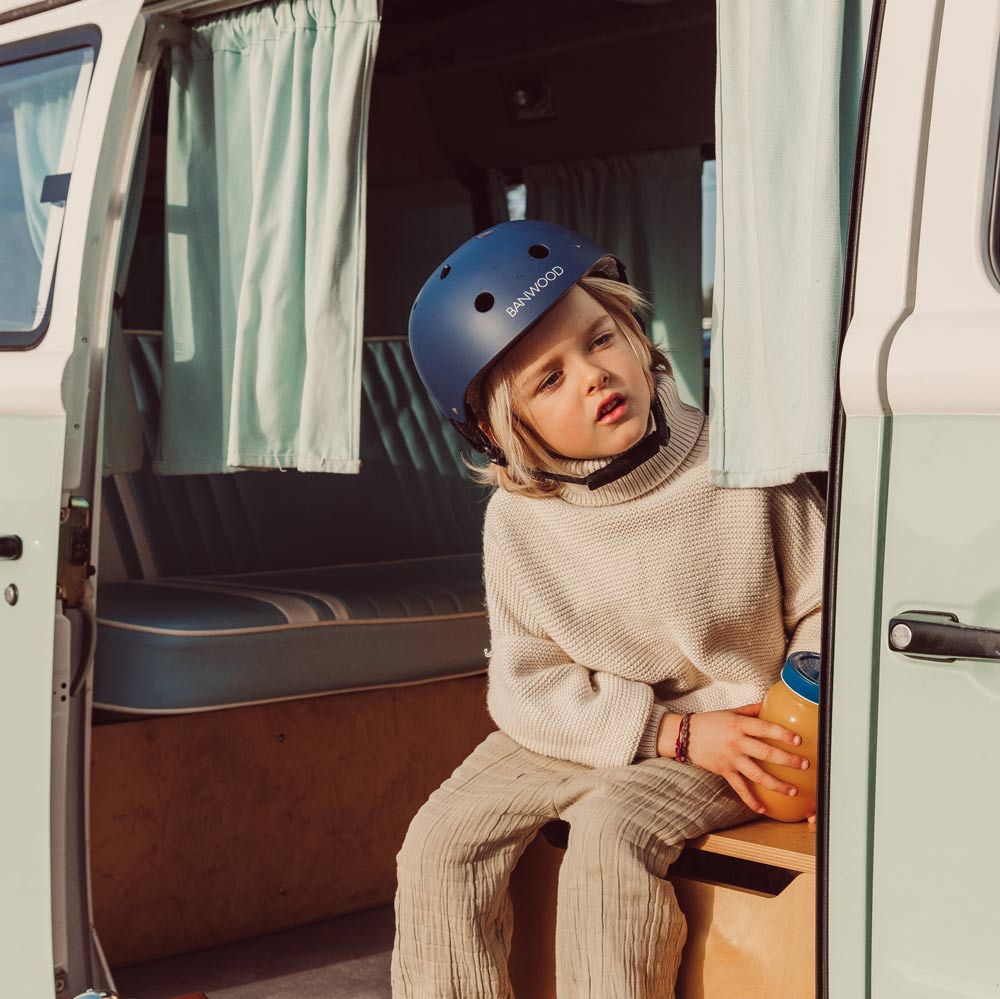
(41, 107)
(646, 208)
(788, 80)
(264, 298)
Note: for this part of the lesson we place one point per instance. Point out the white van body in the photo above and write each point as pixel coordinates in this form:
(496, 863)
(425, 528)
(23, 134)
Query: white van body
(911, 885)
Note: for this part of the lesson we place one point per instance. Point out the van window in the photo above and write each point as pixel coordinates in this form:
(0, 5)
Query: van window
(41, 110)
(517, 200)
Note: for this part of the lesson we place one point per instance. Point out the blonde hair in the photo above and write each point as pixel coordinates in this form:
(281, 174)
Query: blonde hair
(492, 396)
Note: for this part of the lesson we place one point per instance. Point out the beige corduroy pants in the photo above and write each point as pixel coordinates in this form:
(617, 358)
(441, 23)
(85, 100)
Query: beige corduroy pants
(619, 931)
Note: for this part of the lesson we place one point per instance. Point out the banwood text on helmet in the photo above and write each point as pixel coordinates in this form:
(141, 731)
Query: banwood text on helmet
(483, 298)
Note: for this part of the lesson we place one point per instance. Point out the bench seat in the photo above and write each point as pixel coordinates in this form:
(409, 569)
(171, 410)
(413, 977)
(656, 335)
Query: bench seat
(206, 642)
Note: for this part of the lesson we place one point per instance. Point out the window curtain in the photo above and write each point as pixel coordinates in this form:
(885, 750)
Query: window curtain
(265, 210)
(41, 107)
(645, 208)
(46, 97)
(788, 90)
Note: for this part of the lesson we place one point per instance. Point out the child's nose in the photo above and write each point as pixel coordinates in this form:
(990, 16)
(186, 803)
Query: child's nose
(595, 377)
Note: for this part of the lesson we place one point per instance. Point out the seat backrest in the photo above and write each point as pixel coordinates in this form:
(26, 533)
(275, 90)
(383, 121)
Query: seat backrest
(413, 497)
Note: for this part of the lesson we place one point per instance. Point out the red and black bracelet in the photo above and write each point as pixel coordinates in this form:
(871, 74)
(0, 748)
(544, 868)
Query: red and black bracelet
(683, 737)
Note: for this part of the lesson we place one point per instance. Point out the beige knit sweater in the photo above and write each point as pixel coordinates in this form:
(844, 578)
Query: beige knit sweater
(658, 592)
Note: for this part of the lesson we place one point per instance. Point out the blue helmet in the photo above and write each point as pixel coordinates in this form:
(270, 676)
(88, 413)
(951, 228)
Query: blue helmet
(482, 299)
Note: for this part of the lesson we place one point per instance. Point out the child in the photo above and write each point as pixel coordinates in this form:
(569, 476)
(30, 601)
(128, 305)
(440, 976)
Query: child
(637, 616)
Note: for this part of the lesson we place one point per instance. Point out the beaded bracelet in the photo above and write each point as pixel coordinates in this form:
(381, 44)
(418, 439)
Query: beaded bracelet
(683, 737)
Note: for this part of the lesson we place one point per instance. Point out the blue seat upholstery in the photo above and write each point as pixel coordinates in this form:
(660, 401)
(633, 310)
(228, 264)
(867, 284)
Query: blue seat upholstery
(277, 585)
(189, 644)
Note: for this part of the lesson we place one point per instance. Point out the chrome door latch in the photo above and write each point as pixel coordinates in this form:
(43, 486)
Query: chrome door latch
(941, 637)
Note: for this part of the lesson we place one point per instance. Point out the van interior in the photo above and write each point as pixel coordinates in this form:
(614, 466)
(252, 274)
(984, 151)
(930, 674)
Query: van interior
(289, 663)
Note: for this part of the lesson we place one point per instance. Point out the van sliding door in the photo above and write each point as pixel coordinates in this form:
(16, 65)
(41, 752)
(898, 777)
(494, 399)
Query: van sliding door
(913, 876)
(65, 77)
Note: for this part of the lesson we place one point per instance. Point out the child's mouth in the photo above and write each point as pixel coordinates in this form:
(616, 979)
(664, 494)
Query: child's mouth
(612, 411)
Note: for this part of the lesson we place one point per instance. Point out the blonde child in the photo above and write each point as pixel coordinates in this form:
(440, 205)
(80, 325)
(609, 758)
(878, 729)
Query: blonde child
(637, 616)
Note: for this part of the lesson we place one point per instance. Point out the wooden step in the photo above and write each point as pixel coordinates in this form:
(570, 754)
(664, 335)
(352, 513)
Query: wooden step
(791, 845)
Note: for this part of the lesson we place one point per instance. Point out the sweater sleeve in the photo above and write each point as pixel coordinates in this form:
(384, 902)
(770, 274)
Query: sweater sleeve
(798, 527)
(543, 699)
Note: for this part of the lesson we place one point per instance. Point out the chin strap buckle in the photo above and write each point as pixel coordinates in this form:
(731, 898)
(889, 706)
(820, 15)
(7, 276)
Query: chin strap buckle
(638, 454)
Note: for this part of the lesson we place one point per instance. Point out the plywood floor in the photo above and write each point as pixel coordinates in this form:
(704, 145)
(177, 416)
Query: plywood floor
(343, 958)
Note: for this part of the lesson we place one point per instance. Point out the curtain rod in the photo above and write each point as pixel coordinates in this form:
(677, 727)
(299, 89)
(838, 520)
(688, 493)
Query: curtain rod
(193, 8)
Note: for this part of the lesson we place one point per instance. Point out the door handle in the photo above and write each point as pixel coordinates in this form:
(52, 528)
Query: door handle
(939, 635)
(10, 547)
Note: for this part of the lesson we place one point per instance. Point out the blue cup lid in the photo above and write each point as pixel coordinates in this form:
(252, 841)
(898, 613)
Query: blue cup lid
(801, 674)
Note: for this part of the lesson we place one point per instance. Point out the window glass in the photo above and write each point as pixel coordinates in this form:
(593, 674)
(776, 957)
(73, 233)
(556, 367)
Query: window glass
(41, 109)
(517, 201)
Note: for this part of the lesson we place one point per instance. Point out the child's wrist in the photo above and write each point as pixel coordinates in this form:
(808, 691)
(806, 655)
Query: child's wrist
(666, 736)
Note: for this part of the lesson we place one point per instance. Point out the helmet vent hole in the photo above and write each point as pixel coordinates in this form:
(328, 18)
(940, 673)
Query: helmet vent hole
(484, 302)
(539, 251)
(445, 271)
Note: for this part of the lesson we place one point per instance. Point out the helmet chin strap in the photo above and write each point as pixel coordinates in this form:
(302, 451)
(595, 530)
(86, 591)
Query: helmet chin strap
(638, 454)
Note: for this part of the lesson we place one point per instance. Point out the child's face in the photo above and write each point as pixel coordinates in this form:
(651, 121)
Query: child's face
(579, 385)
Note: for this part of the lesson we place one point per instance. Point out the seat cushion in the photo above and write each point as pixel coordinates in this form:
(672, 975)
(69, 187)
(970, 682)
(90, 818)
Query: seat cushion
(198, 643)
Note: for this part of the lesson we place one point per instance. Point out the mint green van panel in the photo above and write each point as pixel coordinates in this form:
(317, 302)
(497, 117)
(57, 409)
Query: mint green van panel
(29, 499)
(855, 691)
(43, 926)
(936, 876)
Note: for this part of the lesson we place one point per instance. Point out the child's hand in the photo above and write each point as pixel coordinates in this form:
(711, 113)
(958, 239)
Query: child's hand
(728, 743)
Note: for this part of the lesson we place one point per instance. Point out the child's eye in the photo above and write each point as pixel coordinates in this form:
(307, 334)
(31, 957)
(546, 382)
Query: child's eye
(550, 381)
(602, 339)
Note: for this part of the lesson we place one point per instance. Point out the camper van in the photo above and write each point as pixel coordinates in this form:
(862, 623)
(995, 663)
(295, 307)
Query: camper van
(243, 633)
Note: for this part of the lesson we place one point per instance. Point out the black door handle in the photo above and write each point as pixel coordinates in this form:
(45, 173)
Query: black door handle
(940, 635)
(10, 547)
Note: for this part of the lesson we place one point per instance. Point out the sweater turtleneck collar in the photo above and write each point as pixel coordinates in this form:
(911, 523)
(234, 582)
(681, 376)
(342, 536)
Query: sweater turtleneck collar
(685, 422)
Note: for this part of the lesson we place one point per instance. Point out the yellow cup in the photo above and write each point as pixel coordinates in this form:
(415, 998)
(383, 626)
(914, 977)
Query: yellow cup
(793, 702)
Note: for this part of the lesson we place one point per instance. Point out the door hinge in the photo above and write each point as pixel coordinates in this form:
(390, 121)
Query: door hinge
(74, 552)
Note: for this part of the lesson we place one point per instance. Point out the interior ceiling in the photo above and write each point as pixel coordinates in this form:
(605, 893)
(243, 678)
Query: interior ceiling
(421, 35)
